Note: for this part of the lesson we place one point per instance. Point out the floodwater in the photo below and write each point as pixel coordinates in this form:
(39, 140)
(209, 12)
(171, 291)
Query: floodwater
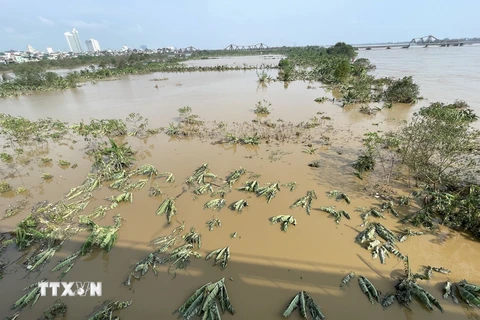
(268, 266)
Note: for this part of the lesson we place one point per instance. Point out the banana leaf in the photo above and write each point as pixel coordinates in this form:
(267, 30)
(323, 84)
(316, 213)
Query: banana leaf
(222, 256)
(168, 208)
(305, 202)
(238, 205)
(215, 204)
(269, 191)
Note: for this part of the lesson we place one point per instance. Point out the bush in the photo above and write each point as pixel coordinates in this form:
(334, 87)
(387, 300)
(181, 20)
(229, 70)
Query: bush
(403, 91)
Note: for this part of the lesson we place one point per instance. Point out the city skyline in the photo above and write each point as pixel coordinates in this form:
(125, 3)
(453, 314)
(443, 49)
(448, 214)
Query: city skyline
(216, 24)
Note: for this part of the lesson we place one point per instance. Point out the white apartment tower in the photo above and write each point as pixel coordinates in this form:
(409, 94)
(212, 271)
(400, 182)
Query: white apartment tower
(92, 45)
(73, 41)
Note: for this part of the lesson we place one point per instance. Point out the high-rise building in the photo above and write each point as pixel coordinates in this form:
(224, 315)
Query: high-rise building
(49, 50)
(73, 41)
(30, 49)
(92, 45)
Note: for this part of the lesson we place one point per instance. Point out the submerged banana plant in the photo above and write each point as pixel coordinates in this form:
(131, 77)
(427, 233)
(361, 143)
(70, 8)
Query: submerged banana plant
(250, 186)
(180, 257)
(213, 223)
(170, 178)
(102, 237)
(14, 210)
(346, 280)
(98, 212)
(291, 185)
(284, 220)
(92, 182)
(215, 204)
(167, 207)
(124, 197)
(369, 289)
(200, 174)
(147, 169)
(304, 302)
(30, 297)
(203, 303)
(269, 191)
(67, 262)
(154, 191)
(202, 189)
(339, 196)
(387, 300)
(238, 205)
(409, 233)
(142, 267)
(165, 242)
(107, 309)
(389, 206)
(407, 289)
(234, 176)
(222, 256)
(222, 191)
(56, 309)
(194, 238)
(305, 202)
(469, 293)
(336, 215)
(119, 184)
(42, 257)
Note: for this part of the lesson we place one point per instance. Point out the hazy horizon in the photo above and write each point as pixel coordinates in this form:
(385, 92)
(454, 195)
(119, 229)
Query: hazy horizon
(215, 24)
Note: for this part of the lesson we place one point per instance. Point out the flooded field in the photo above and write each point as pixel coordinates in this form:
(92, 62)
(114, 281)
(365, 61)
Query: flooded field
(268, 267)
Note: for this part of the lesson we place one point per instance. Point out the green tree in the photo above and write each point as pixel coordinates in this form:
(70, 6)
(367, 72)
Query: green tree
(403, 91)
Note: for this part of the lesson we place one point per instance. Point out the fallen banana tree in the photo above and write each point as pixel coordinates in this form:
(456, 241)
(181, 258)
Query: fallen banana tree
(234, 176)
(170, 178)
(200, 174)
(468, 292)
(202, 189)
(291, 185)
(194, 238)
(165, 242)
(215, 204)
(107, 309)
(238, 205)
(304, 302)
(269, 191)
(168, 208)
(213, 223)
(346, 280)
(368, 289)
(55, 310)
(67, 262)
(284, 220)
(339, 196)
(41, 258)
(101, 237)
(180, 257)
(222, 256)
(30, 297)
(407, 289)
(305, 202)
(222, 191)
(142, 267)
(250, 186)
(337, 215)
(205, 302)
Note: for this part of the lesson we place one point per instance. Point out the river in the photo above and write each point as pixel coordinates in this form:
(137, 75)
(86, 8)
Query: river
(268, 266)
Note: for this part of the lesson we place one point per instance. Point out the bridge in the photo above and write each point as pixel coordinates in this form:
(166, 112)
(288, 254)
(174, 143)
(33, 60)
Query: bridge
(258, 46)
(425, 42)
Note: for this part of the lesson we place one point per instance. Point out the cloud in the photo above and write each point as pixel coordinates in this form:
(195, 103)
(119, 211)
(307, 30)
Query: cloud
(83, 24)
(7, 30)
(46, 21)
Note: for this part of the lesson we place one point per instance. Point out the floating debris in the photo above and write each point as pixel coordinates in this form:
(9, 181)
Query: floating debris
(215, 204)
(107, 309)
(124, 197)
(344, 213)
(441, 270)
(180, 257)
(167, 207)
(14, 210)
(165, 242)
(222, 256)
(147, 169)
(222, 191)
(233, 235)
(291, 185)
(284, 220)
(58, 308)
(305, 303)
(238, 205)
(305, 202)
(315, 164)
(346, 280)
(408, 233)
(269, 191)
(203, 302)
(389, 206)
(154, 191)
(213, 223)
(387, 300)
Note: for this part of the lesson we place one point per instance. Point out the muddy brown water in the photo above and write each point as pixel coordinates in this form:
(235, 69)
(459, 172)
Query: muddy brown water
(268, 266)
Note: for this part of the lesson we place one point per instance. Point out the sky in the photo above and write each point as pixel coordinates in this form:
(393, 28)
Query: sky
(215, 24)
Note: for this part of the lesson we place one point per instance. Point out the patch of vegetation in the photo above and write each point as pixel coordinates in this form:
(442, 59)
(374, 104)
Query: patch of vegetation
(403, 91)
(262, 107)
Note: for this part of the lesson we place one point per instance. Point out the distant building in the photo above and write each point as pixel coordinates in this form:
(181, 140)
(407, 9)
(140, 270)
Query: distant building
(124, 48)
(143, 47)
(73, 41)
(92, 45)
(49, 50)
(30, 49)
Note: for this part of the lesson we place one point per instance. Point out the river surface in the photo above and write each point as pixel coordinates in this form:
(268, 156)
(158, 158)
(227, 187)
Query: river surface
(268, 266)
